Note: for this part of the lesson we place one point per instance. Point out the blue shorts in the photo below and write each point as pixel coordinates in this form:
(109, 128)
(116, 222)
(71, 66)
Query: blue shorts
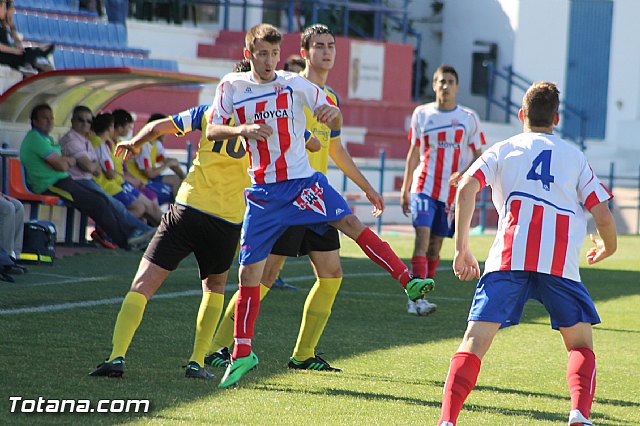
(434, 214)
(501, 295)
(161, 189)
(273, 207)
(128, 194)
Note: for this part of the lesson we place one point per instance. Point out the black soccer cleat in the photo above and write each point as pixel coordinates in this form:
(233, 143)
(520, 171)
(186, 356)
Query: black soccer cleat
(195, 371)
(219, 358)
(113, 368)
(314, 363)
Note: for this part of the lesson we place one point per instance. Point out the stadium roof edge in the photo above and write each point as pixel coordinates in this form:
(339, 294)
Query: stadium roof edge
(92, 87)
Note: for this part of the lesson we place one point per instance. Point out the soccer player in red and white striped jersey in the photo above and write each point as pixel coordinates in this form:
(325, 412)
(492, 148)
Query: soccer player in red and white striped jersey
(268, 107)
(445, 139)
(540, 184)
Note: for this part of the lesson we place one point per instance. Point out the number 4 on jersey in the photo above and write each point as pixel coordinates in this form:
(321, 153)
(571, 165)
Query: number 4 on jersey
(543, 160)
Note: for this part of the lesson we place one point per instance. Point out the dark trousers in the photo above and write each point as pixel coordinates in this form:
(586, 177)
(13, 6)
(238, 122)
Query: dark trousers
(97, 207)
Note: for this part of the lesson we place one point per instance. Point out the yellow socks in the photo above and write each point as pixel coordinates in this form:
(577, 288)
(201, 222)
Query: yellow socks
(315, 315)
(208, 316)
(224, 335)
(127, 323)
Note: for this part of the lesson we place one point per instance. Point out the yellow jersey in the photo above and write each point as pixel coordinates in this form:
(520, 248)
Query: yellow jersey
(320, 160)
(105, 155)
(218, 175)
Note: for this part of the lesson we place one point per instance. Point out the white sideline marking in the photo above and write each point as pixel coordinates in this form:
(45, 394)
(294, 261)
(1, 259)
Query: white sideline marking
(174, 295)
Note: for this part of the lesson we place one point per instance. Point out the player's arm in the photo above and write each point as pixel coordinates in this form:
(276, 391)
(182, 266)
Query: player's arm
(343, 160)
(218, 132)
(149, 132)
(455, 176)
(329, 115)
(607, 244)
(312, 144)
(413, 158)
(465, 265)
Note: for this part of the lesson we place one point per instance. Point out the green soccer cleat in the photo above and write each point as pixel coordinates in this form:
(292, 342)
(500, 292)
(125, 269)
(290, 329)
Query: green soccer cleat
(238, 368)
(418, 287)
(113, 368)
(314, 363)
(195, 371)
(219, 358)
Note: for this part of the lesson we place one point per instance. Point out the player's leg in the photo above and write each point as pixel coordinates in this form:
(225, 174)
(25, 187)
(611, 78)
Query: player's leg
(573, 312)
(163, 255)
(464, 368)
(325, 258)
(247, 308)
(499, 300)
(381, 253)
(218, 352)
(146, 282)
(420, 246)
(208, 316)
(581, 371)
(433, 254)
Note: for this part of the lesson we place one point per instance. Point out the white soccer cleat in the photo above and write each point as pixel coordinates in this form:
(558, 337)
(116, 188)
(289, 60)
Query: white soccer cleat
(445, 424)
(412, 307)
(424, 307)
(577, 419)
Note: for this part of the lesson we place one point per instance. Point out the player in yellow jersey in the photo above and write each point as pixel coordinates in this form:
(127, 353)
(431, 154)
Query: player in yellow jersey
(319, 50)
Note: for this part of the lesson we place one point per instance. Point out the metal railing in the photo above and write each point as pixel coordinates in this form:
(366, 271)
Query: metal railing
(510, 108)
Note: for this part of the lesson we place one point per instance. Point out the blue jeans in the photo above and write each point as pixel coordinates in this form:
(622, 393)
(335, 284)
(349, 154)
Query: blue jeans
(130, 220)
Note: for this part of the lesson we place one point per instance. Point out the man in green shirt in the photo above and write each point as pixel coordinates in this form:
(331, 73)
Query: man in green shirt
(46, 172)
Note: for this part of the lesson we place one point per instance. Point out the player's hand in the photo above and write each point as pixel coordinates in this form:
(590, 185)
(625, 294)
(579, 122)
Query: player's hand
(405, 203)
(597, 253)
(454, 179)
(377, 201)
(126, 150)
(465, 265)
(257, 131)
(326, 113)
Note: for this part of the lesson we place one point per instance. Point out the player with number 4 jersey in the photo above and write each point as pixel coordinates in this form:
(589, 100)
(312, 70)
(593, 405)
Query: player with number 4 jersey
(540, 184)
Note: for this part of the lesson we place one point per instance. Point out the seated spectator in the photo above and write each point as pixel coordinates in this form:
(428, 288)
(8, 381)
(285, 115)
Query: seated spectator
(112, 180)
(294, 63)
(47, 172)
(148, 165)
(12, 230)
(75, 143)
(27, 60)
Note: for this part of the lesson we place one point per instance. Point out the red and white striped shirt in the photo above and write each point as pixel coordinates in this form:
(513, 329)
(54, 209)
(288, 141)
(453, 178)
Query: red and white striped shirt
(280, 104)
(447, 140)
(539, 183)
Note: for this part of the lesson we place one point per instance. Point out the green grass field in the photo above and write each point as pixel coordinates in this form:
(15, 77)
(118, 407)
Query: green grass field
(394, 364)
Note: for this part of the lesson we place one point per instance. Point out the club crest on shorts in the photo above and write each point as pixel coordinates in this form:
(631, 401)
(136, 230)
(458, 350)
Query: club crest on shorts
(311, 199)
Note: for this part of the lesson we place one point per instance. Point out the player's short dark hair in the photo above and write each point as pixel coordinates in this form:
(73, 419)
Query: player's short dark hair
(102, 122)
(242, 66)
(35, 112)
(446, 68)
(121, 117)
(265, 32)
(156, 116)
(79, 109)
(294, 60)
(540, 103)
(315, 29)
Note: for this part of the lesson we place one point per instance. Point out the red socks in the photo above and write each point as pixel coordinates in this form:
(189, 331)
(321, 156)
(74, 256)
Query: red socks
(419, 266)
(432, 265)
(581, 378)
(381, 253)
(462, 376)
(247, 308)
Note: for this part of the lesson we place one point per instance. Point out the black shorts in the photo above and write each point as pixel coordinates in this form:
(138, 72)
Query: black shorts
(185, 230)
(300, 240)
